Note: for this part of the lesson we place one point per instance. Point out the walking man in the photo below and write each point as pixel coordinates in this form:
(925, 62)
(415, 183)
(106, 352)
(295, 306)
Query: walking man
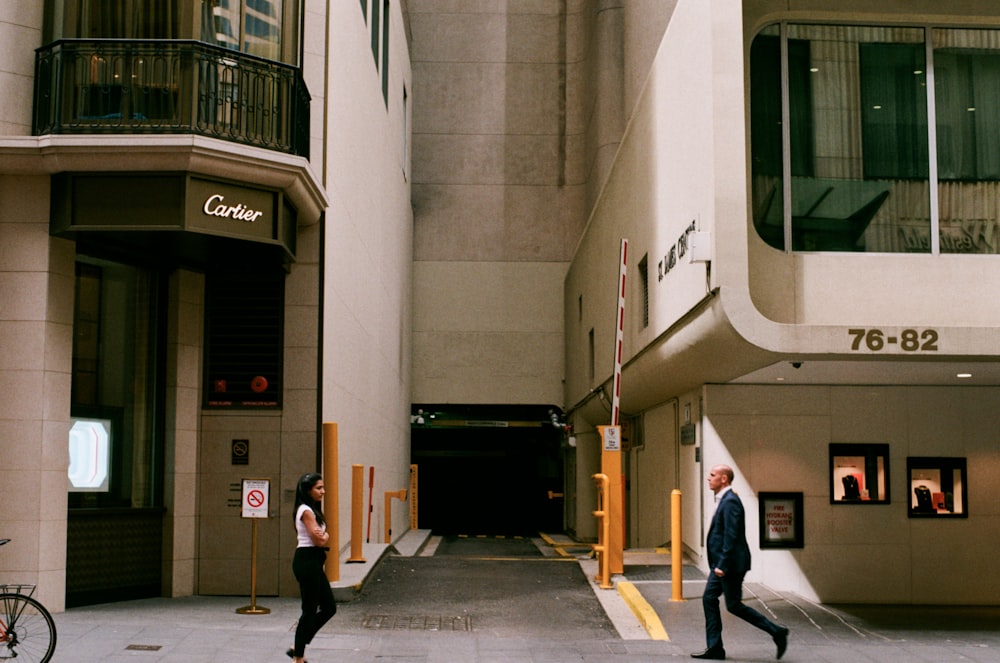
(729, 561)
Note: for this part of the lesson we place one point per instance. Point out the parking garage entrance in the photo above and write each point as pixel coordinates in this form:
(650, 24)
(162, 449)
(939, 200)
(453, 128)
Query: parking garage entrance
(488, 470)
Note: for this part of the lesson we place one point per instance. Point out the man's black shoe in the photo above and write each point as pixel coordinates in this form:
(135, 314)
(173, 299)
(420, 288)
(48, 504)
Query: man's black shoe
(781, 640)
(712, 653)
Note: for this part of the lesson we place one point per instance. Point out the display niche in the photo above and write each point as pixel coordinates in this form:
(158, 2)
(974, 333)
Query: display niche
(938, 487)
(859, 473)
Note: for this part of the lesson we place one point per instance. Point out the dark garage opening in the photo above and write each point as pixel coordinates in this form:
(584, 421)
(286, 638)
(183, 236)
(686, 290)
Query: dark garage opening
(488, 470)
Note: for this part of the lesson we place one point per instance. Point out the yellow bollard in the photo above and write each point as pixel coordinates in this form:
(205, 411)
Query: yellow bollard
(387, 525)
(603, 532)
(357, 513)
(331, 501)
(676, 548)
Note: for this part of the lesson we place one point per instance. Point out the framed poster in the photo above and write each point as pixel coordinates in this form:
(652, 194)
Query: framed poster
(859, 473)
(938, 487)
(781, 520)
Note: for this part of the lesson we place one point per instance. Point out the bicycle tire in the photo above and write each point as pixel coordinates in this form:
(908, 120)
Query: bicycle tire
(28, 633)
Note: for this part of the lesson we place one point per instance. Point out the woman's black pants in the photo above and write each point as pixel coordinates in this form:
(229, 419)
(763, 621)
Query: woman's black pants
(318, 605)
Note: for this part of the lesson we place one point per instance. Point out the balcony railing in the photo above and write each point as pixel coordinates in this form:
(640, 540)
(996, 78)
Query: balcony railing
(112, 86)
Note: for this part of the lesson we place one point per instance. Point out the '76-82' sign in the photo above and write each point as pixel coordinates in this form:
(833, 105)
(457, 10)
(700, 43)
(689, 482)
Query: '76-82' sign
(907, 340)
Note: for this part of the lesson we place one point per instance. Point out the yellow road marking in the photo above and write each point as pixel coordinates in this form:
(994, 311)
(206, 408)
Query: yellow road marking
(642, 610)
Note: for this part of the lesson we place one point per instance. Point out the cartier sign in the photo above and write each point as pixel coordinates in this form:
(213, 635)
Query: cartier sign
(183, 206)
(230, 209)
(215, 206)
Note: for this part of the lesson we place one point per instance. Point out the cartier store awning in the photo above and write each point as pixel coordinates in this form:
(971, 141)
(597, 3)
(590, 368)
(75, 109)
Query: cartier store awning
(181, 216)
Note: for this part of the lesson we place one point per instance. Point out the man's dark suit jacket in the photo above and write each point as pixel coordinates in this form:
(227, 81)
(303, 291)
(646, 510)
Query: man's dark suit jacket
(727, 540)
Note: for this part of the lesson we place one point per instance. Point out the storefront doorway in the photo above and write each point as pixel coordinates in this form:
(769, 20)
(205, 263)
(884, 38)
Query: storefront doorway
(115, 540)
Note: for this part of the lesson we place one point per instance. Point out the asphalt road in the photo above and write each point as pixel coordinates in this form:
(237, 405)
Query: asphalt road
(502, 587)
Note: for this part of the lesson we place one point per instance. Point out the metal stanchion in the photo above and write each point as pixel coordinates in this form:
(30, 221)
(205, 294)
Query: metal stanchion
(254, 504)
(253, 608)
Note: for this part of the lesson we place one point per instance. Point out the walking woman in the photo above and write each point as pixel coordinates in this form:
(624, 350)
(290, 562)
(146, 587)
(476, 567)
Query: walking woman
(318, 605)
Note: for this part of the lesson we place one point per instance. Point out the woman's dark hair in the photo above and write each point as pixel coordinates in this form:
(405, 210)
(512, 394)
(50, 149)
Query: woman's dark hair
(303, 496)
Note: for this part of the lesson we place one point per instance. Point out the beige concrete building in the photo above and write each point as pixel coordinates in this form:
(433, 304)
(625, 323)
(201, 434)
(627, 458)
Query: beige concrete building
(798, 302)
(206, 242)
(825, 339)
(224, 224)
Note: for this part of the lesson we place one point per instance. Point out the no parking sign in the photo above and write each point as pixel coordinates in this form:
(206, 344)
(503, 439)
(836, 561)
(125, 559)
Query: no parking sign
(256, 495)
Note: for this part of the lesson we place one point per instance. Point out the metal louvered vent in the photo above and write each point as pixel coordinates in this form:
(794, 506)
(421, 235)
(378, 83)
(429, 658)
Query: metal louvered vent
(243, 338)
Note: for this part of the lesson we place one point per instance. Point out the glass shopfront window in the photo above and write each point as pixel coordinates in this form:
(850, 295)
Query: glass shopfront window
(850, 153)
(115, 441)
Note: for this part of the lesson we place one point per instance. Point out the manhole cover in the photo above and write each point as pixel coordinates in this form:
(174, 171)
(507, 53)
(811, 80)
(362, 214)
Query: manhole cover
(417, 622)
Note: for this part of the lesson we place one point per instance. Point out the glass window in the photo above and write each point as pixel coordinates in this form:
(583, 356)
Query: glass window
(855, 113)
(859, 473)
(842, 131)
(252, 26)
(115, 441)
(938, 487)
(265, 28)
(967, 103)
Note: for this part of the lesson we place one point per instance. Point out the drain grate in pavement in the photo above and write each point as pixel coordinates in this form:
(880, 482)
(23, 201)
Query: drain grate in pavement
(417, 622)
(144, 647)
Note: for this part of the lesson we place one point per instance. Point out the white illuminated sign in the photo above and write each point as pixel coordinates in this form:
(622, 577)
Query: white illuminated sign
(89, 454)
(215, 206)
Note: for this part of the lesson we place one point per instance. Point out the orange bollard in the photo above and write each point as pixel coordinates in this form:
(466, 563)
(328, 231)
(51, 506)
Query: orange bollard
(676, 560)
(389, 494)
(603, 532)
(331, 501)
(357, 513)
(371, 488)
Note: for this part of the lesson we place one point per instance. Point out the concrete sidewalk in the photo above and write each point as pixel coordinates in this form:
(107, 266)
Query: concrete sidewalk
(647, 626)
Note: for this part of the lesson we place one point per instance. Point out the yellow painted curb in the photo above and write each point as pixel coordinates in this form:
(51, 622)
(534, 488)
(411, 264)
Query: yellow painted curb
(641, 608)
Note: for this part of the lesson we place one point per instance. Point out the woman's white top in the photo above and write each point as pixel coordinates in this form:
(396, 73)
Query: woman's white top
(305, 541)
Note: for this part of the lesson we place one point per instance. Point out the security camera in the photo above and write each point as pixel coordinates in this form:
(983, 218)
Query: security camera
(796, 364)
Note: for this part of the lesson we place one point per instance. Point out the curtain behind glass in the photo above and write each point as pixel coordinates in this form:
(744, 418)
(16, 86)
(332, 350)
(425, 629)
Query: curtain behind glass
(129, 19)
(967, 102)
(867, 190)
(968, 125)
(893, 111)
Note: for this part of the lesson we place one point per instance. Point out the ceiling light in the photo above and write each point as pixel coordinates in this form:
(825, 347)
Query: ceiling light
(963, 375)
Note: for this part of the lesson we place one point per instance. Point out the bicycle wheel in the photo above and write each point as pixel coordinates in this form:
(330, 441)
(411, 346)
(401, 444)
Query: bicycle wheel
(27, 632)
